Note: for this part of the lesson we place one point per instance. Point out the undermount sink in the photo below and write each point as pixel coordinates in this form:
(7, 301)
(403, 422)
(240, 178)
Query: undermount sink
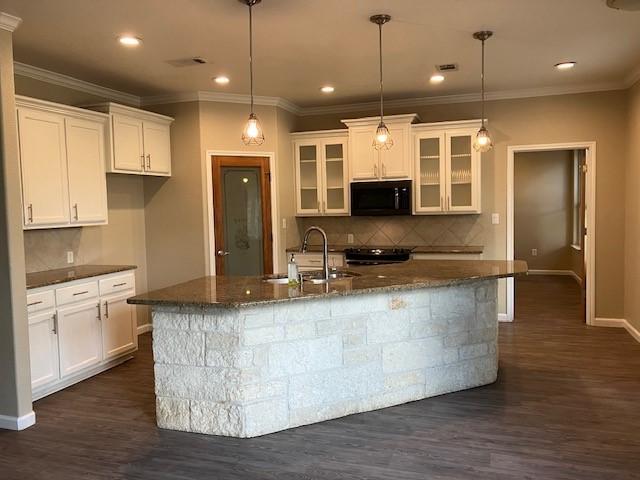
(312, 277)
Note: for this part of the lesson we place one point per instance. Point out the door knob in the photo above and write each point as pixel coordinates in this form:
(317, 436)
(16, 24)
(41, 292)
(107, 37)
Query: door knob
(222, 253)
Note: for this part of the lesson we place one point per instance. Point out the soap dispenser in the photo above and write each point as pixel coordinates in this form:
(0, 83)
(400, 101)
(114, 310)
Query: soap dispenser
(292, 271)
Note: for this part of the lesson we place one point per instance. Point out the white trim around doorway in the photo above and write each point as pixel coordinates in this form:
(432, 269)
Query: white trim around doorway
(275, 214)
(590, 199)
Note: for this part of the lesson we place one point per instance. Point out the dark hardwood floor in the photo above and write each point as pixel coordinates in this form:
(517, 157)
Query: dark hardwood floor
(565, 406)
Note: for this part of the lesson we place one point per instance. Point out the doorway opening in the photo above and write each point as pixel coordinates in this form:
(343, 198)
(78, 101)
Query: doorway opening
(550, 223)
(242, 217)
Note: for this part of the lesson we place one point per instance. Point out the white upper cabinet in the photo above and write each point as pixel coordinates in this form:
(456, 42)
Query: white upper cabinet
(447, 178)
(85, 161)
(43, 161)
(322, 183)
(369, 164)
(62, 161)
(140, 140)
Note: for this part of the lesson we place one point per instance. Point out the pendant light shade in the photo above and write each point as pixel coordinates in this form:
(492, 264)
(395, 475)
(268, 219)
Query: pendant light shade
(483, 142)
(382, 139)
(252, 133)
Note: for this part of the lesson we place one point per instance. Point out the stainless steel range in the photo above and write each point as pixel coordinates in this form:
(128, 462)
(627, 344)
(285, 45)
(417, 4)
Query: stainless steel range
(376, 256)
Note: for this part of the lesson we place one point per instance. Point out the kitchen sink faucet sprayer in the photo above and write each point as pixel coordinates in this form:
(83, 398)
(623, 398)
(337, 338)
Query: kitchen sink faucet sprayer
(325, 248)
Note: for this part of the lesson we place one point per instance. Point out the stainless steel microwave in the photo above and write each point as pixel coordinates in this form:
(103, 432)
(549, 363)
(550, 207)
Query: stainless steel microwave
(381, 198)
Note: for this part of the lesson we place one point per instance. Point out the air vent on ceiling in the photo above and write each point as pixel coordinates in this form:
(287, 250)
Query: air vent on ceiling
(187, 62)
(630, 5)
(447, 67)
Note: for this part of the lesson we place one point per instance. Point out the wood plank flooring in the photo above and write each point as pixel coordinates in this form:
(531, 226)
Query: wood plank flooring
(566, 406)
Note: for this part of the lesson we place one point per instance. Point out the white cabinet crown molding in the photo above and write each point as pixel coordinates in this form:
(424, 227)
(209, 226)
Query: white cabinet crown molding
(388, 119)
(335, 133)
(9, 22)
(60, 109)
(110, 107)
(449, 125)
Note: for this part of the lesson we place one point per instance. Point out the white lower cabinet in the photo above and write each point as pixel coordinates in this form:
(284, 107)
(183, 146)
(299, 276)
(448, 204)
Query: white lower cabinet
(79, 334)
(43, 348)
(78, 329)
(119, 332)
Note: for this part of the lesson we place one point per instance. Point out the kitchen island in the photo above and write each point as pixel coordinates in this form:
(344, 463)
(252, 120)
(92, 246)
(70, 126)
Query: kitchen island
(241, 356)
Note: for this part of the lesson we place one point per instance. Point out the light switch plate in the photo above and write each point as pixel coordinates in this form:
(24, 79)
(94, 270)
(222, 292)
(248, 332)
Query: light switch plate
(350, 238)
(495, 218)
(284, 223)
(534, 252)
(70, 256)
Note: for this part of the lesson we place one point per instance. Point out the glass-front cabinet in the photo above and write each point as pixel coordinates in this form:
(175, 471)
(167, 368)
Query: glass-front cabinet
(321, 174)
(447, 171)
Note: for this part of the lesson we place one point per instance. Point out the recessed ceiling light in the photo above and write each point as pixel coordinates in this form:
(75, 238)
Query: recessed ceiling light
(129, 40)
(327, 89)
(437, 78)
(565, 65)
(221, 80)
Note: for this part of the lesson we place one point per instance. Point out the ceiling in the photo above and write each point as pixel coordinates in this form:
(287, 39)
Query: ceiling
(301, 45)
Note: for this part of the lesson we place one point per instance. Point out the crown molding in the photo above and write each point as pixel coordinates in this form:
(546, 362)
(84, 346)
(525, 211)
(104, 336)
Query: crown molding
(9, 22)
(222, 97)
(59, 79)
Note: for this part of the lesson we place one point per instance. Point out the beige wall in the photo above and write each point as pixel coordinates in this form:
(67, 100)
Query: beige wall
(15, 379)
(599, 117)
(543, 209)
(632, 237)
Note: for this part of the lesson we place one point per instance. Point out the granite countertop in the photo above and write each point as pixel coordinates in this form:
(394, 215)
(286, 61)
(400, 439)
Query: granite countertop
(230, 292)
(61, 275)
(468, 249)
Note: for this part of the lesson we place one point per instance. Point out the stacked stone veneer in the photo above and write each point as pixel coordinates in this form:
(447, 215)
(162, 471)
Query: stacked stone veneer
(245, 372)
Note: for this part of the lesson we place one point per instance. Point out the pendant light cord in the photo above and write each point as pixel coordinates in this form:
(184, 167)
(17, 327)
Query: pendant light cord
(482, 81)
(251, 53)
(381, 81)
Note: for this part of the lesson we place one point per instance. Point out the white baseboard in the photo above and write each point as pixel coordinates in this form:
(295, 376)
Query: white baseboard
(144, 328)
(17, 423)
(502, 317)
(617, 323)
(567, 273)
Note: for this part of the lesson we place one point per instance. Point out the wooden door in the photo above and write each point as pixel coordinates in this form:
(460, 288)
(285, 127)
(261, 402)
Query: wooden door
(242, 215)
(43, 161)
(79, 336)
(157, 148)
(86, 164)
(119, 331)
(128, 144)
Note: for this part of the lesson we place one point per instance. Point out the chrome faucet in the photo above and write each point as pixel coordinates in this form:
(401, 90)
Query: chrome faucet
(325, 248)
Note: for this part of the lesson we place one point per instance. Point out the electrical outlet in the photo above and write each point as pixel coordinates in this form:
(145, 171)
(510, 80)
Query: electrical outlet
(284, 223)
(534, 252)
(350, 238)
(495, 218)
(70, 256)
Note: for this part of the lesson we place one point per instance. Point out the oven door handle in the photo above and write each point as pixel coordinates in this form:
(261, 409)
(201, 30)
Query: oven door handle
(396, 195)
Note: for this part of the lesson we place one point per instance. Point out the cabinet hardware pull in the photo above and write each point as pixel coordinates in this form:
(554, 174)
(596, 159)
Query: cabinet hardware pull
(142, 159)
(318, 205)
(375, 169)
(75, 208)
(149, 161)
(119, 284)
(384, 170)
(81, 293)
(448, 202)
(99, 317)
(30, 213)
(55, 324)
(441, 203)
(34, 303)
(324, 205)
(106, 309)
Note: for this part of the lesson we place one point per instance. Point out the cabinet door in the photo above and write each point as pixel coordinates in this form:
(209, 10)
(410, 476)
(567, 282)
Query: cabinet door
(128, 146)
(308, 176)
(157, 148)
(463, 173)
(87, 179)
(44, 168)
(43, 349)
(363, 158)
(396, 162)
(335, 178)
(79, 337)
(119, 332)
(430, 179)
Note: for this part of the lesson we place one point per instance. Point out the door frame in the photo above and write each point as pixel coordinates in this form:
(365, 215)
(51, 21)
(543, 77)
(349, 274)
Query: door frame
(211, 238)
(590, 220)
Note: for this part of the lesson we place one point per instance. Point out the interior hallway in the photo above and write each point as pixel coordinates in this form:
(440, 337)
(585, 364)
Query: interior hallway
(564, 407)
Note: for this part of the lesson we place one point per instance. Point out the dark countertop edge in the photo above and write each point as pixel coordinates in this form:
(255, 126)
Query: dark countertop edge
(363, 291)
(425, 249)
(96, 271)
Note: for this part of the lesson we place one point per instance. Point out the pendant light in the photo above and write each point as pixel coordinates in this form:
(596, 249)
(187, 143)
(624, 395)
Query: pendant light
(252, 133)
(383, 138)
(483, 142)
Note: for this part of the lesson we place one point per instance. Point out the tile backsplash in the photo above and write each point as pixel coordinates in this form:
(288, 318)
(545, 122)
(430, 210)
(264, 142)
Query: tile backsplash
(47, 249)
(456, 230)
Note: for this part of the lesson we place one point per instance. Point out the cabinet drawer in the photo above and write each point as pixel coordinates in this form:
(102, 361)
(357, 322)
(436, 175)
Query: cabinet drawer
(37, 302)
(117, 284)
(76, 293)
(314, 260)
